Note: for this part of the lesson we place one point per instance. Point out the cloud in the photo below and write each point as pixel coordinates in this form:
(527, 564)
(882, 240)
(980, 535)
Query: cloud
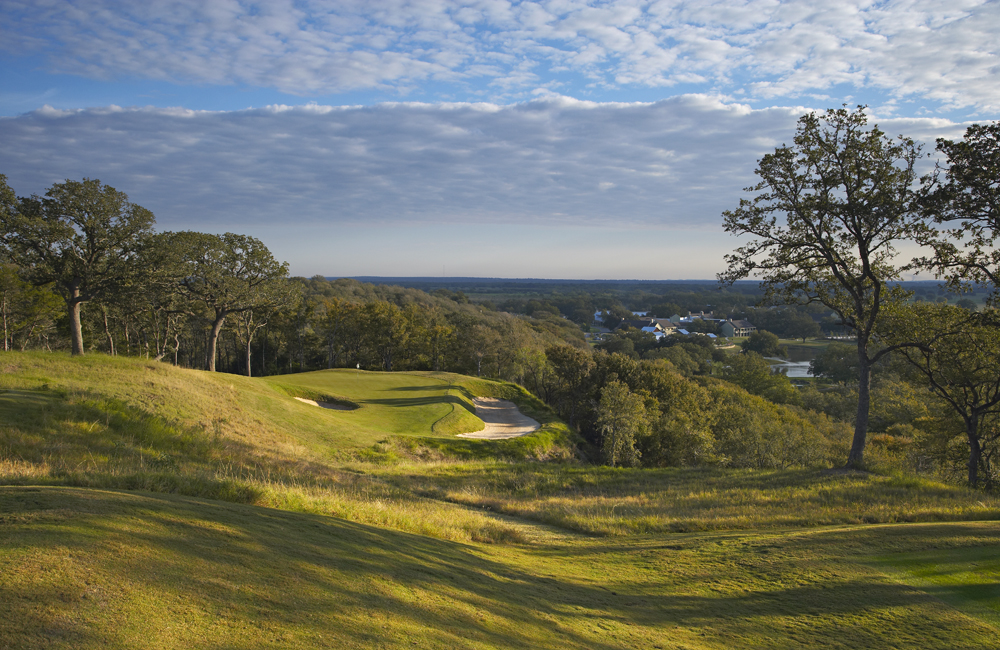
(918, 49)
(554, 161)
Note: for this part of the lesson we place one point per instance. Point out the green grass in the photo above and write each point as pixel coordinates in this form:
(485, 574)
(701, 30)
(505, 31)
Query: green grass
(150, 426)
(97, 569)
(379, 528)
(967, 578)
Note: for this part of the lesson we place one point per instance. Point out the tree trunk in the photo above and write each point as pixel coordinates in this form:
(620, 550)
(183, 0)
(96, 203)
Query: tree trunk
(248, 354)
(75, 329)
(5, 337)
(107, 333)
(213, 339)
(975, 450)
(856, 457)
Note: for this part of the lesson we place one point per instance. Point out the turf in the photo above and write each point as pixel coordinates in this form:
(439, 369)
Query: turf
(89, 569)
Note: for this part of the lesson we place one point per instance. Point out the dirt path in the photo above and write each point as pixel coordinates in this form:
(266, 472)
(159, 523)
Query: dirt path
(502, 420)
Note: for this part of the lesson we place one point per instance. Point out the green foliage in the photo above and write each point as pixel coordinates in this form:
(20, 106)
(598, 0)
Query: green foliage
(83, 239)
(753, 374)
(967, 202)
(844, 193)
(752, 432)
(621, 418)
(765, 344)
(838, 362)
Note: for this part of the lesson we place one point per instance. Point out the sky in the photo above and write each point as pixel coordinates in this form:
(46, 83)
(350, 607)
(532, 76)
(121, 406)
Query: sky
(487, 138)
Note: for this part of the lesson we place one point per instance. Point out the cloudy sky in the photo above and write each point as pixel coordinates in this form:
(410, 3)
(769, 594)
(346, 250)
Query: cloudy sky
(490, 138)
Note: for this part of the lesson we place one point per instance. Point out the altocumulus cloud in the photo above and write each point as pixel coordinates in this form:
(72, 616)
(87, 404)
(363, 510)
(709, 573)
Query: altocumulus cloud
(677, 163)
(910, 49)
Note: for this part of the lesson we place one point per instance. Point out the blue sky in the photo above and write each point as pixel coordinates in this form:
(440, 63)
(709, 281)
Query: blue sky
(565, 139)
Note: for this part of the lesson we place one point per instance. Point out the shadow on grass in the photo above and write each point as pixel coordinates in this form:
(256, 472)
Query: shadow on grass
(406, 402)
(263, 575)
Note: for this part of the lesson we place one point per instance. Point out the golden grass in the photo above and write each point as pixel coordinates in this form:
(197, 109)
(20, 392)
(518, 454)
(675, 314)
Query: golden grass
(97, 569)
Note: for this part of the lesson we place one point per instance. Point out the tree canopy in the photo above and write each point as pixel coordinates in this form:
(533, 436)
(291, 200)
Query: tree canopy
(82, 237)
(825, 219)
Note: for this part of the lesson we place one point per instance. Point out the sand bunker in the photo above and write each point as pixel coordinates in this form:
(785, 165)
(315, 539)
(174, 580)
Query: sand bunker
(502, 420)
(326, 405)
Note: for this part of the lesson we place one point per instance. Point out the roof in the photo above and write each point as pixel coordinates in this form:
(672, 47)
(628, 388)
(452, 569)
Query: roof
(741, 324)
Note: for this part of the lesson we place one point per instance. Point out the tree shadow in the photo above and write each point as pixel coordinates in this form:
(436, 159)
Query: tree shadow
(271, 571)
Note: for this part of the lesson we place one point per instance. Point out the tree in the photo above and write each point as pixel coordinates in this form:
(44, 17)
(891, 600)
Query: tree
(26, 310)
(621, 418)
(751, 372)
(844, 193)
(83, 238)
(958, 353)
(765, 344)
(572, 369)
(227, 273)
(969, 197)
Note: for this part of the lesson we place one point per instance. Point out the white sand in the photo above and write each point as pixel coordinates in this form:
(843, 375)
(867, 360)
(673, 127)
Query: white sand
(502, 420)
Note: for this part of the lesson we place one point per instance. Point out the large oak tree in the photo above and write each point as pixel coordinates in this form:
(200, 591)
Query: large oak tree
(84, 238)
(824, 221)
(227, 274)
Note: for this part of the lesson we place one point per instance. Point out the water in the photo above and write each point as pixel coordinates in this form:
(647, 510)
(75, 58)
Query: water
(793, 369)
(797, 367)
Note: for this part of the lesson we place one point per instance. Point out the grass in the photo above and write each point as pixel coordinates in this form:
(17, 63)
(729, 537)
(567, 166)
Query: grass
(97, 569)
(232, 438)
(162, 507)
(619, 501)
(967, 578)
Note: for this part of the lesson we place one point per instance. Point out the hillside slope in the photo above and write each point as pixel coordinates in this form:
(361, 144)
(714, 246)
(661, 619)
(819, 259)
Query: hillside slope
(97, 569)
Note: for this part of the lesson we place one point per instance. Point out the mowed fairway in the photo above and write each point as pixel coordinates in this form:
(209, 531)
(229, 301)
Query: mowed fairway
(390, 404)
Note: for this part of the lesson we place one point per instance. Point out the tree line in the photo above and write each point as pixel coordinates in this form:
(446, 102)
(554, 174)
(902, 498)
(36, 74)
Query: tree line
(825, 221)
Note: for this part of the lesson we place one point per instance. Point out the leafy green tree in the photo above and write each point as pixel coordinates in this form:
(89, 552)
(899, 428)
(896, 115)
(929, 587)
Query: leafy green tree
(958, 353)
(751, 372)
(27, 311)
(843, 192)
(967, 199)
(572, 368)
(227, 274)
(83, 238)
(838, 362)
(621, 418)
(765, 344)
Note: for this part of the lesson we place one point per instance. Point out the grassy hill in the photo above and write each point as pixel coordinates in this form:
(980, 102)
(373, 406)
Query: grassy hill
(143, 505)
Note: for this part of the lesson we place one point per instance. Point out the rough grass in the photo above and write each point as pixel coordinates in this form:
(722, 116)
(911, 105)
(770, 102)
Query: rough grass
(620, 501)
(96, 569)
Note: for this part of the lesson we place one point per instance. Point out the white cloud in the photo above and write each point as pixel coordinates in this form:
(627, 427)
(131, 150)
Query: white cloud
(677, 163)
(907, 48)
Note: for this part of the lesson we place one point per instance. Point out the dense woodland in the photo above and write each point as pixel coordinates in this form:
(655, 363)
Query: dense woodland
(918, 384)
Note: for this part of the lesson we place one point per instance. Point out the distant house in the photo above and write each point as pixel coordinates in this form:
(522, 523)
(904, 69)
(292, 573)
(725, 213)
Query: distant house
(658, 333)
(731, 328)
(639, 324)
(700, 314)
(666, 324)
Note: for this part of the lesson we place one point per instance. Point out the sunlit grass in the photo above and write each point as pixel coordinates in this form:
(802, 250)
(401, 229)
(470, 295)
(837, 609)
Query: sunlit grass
(618, 501)
(95, 569)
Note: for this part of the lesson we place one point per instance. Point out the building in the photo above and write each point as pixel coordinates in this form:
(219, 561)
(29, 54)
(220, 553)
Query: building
(731, 328)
